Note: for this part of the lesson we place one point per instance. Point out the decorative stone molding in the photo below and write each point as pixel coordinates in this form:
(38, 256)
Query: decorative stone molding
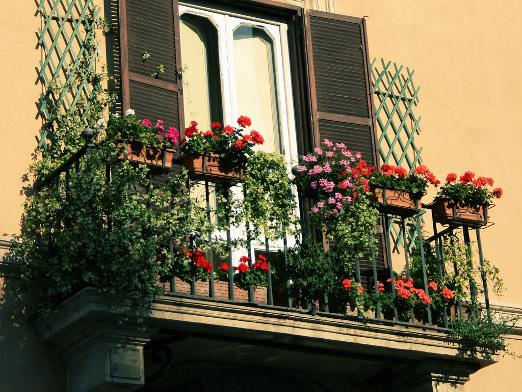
(103, 354)
(100, 353)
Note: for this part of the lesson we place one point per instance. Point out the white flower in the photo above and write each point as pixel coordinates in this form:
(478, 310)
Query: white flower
(101, 124)
(130, 112)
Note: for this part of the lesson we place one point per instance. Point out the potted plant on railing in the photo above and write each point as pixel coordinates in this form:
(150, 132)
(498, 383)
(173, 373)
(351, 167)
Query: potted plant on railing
(220, 153)
(246, 274)
(466, 201)
(398, 192)
(141, 141)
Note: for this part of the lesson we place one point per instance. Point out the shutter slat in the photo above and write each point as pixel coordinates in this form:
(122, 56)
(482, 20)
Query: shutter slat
(150, 85)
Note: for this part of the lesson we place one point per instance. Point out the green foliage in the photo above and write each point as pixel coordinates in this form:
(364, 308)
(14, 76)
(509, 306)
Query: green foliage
(312, 271)
(269, 204)
(482, 336)
(111, 237)
(129, 130)
(354, 233)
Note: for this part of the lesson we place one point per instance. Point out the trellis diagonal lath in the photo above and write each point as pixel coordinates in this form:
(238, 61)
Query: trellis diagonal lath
(395, 98)
(66, 27)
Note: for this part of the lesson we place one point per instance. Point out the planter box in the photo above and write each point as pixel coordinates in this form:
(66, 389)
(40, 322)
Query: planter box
(207, 166)
(396, 202)
(448, 212)
(148, 155)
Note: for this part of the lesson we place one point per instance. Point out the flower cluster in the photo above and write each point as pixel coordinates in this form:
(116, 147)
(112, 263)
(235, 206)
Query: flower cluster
(335, 175)
(132, 130)
(198, 258)
(248, 273)
(397, 178)
(469, 190)
(349, 285)
(405, 290)
(233, 145)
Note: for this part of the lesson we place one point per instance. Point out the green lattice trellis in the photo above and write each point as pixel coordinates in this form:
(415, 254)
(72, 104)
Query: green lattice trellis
(66, 27)
(395, 97)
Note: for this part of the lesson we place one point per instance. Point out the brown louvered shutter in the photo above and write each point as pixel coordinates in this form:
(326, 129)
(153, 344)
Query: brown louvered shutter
(339, 82)
(340, 92)
(150, 59)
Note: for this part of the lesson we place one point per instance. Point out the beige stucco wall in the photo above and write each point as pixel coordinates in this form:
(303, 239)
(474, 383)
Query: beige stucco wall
(465, 55)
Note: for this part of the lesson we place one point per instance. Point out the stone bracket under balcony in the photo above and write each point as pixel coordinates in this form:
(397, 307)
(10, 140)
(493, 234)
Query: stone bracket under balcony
(104, 355)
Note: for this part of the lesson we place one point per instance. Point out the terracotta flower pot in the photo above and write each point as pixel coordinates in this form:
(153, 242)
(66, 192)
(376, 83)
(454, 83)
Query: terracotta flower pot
(208, 166)
(148, 155)
(396, 202)
(446, 211)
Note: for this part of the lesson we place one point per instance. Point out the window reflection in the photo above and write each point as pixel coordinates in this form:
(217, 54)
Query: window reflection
(201, 77)
(256, 88)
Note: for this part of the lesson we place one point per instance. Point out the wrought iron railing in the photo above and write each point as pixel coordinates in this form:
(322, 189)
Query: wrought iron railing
(376, 276)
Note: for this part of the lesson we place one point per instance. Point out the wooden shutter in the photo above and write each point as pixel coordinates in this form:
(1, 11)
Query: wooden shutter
(340, 92)
(340, 88)
(150, 59)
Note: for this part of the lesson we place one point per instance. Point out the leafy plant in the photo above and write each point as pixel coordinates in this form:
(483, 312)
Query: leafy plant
(481, 335)
(130, 130)
(312, 271)
(268, 204)
(469, 191)
(246, 275)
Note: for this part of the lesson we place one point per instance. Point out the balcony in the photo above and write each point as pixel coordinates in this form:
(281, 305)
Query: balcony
(381, 329)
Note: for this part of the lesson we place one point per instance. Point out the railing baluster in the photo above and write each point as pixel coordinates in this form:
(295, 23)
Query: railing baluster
(407, 260)
(229, 247)
(469, 256)
(269, 293)
(211, 255)
(456, 271)
(390, 262)
(423, 263)
(250, 250)
(376, 289)
(288, 283)
(440, 261)
(359, 280)
(483, 274)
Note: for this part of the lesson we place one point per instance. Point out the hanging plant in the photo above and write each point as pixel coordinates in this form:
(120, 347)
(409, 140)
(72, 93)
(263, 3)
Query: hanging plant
(268, 205)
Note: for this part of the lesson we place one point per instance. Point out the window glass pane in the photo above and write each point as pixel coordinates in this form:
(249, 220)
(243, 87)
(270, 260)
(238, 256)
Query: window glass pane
(256, 84)
(201, 80)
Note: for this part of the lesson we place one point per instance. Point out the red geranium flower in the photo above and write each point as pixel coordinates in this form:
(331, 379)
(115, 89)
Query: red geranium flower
(447, 294)
(242, 268)
(347, 284)
(228, 130)
(432, 285)
(498, 192)
(451, 177)
(244, 259)
(239, 144)
(215, 124)
(256, 137)
(224, 267)
(467, 177)
(244, 121)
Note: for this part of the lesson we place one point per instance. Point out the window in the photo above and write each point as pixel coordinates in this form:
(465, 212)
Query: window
(237, 65)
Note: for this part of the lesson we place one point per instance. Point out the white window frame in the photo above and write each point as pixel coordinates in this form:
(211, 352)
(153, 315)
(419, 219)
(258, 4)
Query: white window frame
(226, 21)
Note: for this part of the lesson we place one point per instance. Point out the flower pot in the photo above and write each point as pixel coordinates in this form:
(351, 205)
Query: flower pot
(147, 155)
(221, 291)
(208, 167)
(447, 211)
(395, 202)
